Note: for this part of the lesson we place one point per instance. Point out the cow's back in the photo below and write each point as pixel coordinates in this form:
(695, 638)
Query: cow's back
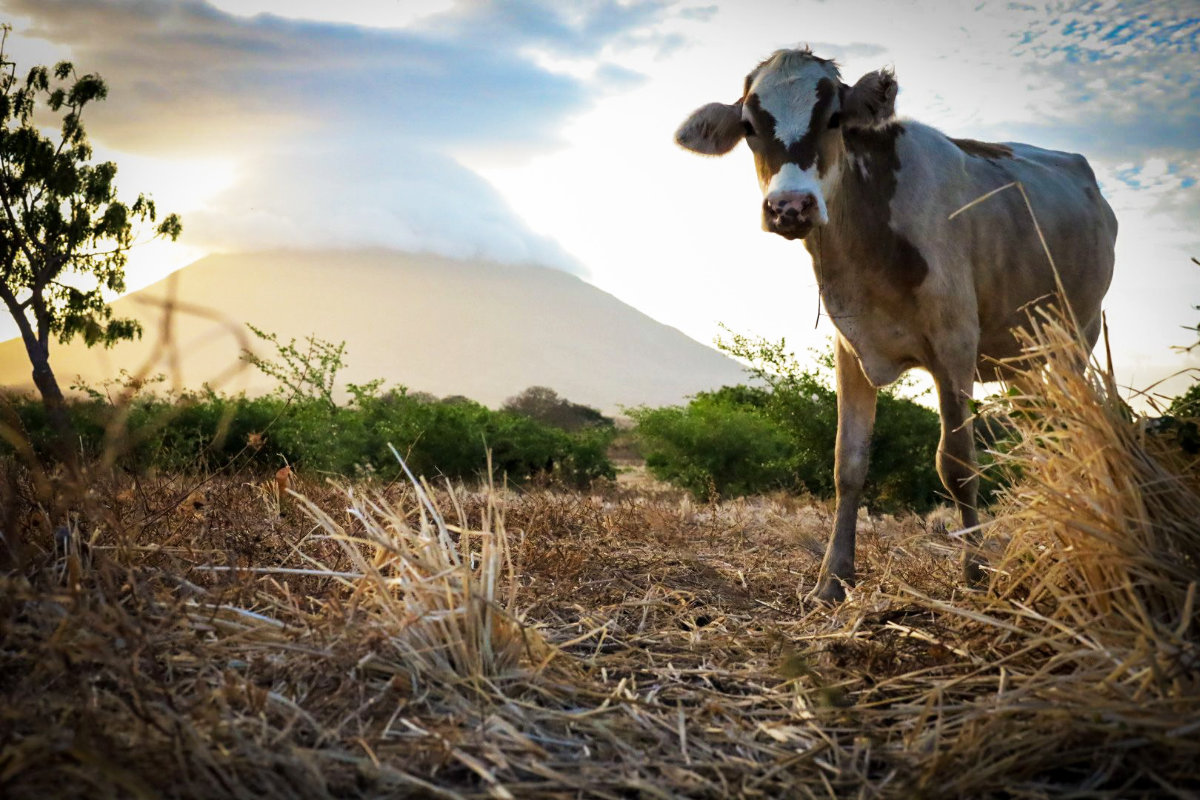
(1010, 266)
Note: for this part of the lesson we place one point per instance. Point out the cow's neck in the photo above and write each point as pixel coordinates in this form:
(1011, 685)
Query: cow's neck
(867, 271)
(858, 248)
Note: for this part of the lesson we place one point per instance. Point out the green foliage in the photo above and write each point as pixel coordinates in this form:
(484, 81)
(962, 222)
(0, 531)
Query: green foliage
(903, 469)
(127, 424)
(64, 235)
(716, 446)
(204, 432)
(1186, 405)
(781, 435)
(304, 374)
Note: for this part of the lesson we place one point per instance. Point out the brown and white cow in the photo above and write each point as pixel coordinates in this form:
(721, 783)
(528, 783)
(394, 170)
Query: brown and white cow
(907, 282)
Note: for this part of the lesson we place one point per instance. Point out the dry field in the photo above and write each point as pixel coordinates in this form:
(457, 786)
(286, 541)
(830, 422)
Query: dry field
(216, 639)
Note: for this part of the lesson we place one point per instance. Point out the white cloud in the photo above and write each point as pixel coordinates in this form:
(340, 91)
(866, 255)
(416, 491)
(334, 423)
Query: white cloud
(344, 135)
(322, 194)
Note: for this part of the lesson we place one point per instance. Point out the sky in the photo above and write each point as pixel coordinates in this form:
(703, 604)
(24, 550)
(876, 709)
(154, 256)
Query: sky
(541, 131)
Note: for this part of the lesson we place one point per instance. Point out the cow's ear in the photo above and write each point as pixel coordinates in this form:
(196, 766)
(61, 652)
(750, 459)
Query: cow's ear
(871, 102)
(712, 130)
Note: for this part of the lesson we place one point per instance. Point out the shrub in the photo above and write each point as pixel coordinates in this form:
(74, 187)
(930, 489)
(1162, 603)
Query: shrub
(1186, 405)
(302, 425)
(714, 446)
(206, 432)
(782, 434)
(543, 404)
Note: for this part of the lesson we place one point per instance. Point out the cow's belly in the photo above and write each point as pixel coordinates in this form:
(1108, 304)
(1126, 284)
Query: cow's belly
(999, 343)
(885, 349)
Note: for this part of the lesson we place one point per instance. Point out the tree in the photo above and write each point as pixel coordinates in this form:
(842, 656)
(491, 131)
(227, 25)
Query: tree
(543, 404)
(64, 235)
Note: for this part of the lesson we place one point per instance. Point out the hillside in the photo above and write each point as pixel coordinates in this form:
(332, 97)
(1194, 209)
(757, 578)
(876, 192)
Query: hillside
(433, 324)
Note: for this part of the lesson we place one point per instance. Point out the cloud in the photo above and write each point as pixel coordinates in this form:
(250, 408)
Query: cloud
(699, 14)
(843, 52)
(577, 29)
(331, 194)
(1124, 74)
(186, 75)
(327, 117)
(1115, 81)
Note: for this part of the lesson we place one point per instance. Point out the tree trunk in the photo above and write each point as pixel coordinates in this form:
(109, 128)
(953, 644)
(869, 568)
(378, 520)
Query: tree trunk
(56, 407)
(64, 449)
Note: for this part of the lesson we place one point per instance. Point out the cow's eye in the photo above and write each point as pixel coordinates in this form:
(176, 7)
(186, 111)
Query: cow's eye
(748, 127)
(835, 119)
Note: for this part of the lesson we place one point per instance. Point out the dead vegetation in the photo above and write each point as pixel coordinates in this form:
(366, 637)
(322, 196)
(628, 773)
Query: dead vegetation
(410, 640)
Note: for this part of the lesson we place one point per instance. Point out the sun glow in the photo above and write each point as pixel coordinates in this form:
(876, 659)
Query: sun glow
(177, 186)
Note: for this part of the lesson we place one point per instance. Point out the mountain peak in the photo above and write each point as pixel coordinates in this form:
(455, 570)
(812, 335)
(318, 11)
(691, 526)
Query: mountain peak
(435, 324)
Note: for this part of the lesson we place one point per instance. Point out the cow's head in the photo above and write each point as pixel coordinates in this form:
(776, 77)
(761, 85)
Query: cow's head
(792, 114)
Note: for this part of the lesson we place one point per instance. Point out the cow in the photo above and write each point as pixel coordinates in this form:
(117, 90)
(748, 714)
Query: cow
(906, 279)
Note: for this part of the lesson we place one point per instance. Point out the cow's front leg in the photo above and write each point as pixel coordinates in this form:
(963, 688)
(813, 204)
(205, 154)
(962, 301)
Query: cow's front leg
(956, 464)
(856, 417)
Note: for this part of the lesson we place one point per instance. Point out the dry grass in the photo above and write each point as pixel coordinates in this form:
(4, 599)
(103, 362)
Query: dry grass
(412, 641)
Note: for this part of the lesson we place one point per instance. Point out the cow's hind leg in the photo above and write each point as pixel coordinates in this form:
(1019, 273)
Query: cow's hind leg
(956, 462)
(856, 417)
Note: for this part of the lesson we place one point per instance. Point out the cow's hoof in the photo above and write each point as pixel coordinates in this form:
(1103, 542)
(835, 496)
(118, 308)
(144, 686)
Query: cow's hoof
(830, 591)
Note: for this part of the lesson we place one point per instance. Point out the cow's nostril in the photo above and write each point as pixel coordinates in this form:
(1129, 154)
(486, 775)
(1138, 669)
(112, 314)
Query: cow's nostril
(791, 206)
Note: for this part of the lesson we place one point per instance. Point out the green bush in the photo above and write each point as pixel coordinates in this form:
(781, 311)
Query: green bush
(206, 432)
(716, 446)
(781, 435)
(903, 469)
(1186, 405)
(303, 426)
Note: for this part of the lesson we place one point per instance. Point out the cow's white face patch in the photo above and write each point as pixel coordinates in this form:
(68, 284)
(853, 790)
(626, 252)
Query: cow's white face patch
(788, 114)
(790, 178)
(790, 102)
